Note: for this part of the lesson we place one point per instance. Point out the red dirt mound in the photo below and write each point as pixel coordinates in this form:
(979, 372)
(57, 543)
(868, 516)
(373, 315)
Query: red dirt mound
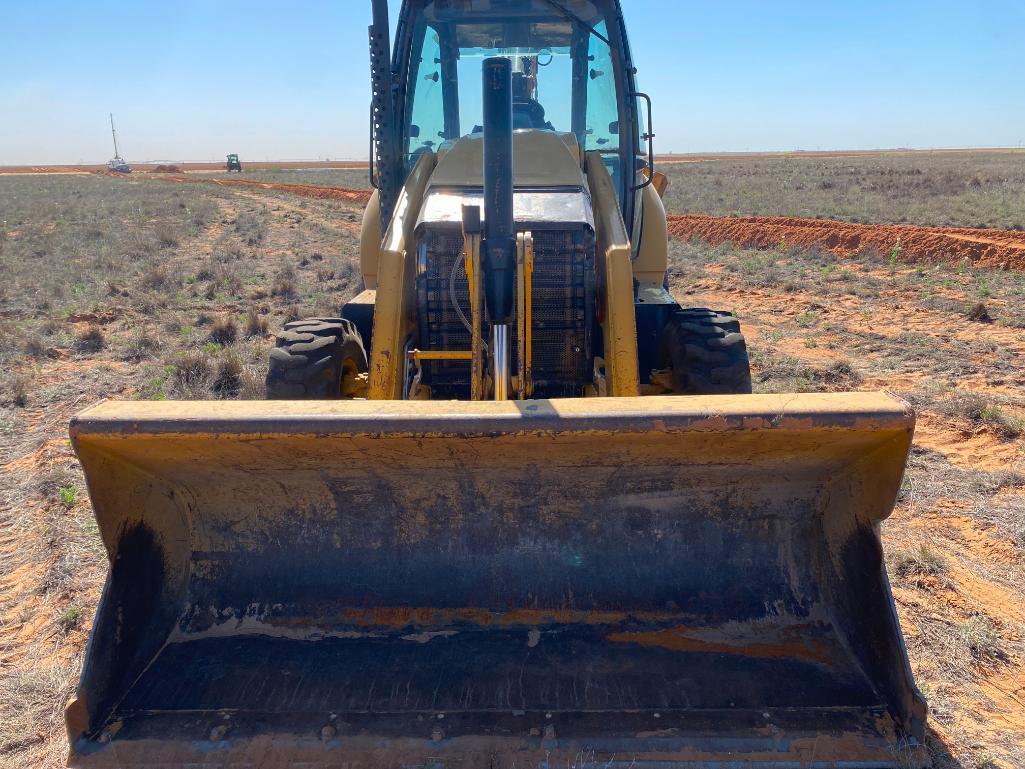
(984, 248)
(300, 190)
(166, 170)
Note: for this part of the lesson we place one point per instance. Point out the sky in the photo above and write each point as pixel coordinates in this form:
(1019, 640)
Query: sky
(272, 80)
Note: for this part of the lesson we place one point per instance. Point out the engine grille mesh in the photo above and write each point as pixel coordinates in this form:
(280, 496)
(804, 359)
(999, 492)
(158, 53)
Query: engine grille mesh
(563, 312)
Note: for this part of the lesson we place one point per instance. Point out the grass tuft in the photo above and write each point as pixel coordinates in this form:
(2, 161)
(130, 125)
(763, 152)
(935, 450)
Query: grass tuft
(159, 277)
(284, 286)
(191, 376)
(227, 383)
(90, 340)
(14, 388)
(142, 345)
(791, 374)
(34, 347)
(68, 496)
(70, 618)
(167, 234)
(979, 313)
(923, 561)
(256, 324)
(982, 412)
(223, 331)
(979, 635)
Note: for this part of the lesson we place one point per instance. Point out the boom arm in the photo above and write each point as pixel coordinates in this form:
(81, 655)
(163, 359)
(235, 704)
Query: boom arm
(385, 171)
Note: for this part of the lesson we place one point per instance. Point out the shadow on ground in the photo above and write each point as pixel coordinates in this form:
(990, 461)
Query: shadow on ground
(940, 754)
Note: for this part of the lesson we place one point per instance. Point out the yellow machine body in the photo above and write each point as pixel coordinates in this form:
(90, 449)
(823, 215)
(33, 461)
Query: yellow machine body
(448, 566)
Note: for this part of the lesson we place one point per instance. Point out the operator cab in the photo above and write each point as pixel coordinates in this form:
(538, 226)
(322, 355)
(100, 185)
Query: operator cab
(571, 74)
(564, 68)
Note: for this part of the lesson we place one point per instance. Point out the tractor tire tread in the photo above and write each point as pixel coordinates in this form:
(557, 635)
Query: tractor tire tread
(706, 352)
(308, 359)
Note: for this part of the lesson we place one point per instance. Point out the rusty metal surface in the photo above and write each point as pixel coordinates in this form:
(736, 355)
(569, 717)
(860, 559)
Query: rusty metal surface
(676, 580)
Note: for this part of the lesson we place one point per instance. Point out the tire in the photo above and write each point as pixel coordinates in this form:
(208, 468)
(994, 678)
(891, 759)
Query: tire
(315, 359)
(705, 353)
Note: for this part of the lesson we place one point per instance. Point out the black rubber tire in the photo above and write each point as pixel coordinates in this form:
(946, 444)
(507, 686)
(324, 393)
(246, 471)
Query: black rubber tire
(706, 352)
(311, 358)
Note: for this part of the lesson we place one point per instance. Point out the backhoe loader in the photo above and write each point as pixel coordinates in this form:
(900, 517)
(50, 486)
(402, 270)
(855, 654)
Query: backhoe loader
(514, 506)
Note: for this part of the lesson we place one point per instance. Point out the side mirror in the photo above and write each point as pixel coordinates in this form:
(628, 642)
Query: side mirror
(649, 137)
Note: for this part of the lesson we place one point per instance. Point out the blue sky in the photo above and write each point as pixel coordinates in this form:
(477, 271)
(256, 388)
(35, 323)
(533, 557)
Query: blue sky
(195, 79)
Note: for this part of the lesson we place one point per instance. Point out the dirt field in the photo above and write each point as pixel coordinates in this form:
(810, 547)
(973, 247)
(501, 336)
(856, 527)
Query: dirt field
(297, 190)
(264, 165)
(941, 189)
(128, 288)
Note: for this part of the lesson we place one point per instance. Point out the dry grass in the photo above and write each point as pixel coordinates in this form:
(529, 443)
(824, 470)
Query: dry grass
(159, 277)
(33, 703)
(90, 340)
(167, 234)
(14, 388)
(979, 313)
(283, 286)
(224, 331)
(252, 227)
(34, 347)
(922, 561)
(121, 289)
(256, 324)
(775, 374)
(963, 190)
(190, 377)
(981, 411)
(980, 637)
(142, 345)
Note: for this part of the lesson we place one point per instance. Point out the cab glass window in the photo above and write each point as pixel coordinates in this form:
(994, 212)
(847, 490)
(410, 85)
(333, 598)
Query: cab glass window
(602, 114)
(426, 125)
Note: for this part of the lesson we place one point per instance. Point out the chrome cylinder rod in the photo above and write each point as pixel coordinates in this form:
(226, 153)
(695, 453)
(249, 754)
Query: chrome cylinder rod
(500, 360)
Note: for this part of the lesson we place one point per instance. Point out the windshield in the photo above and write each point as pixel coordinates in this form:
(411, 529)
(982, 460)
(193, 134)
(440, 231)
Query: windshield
(542, 87)
(563, 71)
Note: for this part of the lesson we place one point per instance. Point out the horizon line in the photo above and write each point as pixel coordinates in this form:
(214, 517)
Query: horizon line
(707, 153)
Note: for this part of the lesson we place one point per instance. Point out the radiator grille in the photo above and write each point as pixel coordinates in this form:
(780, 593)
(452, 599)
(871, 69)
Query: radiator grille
(563, 295)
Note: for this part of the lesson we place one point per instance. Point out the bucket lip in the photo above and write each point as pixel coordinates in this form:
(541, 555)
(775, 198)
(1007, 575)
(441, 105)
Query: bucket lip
(846, 737)
(847, 411)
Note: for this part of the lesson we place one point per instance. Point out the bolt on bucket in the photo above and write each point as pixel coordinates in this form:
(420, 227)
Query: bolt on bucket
(687, 581)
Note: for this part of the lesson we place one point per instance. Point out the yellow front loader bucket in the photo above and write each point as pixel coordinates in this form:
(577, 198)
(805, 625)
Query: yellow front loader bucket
(670, 581)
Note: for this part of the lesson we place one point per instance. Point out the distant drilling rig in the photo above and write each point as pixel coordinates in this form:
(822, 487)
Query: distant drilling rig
(117, 163)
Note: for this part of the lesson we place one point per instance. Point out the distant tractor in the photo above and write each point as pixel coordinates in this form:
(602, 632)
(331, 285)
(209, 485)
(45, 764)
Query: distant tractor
(234, 164)
(117, 164)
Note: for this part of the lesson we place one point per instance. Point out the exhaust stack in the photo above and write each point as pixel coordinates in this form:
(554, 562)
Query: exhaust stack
(500, 227)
